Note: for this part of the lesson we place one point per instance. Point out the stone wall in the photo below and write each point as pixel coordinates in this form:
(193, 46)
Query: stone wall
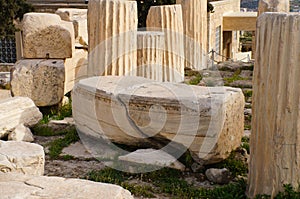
(215, 20)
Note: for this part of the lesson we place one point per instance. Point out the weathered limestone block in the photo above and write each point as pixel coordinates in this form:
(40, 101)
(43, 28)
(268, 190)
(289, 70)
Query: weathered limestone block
(75, 69)
(15, 111)
(21, 133)
(79, 19)
(273, 6)
(134, 110)
(112, 26)
(169, 20)
(47, 36)
(150, 55)
(26, 186)
(275, 148)
(39, 79)
(194, 14)
(21, 157)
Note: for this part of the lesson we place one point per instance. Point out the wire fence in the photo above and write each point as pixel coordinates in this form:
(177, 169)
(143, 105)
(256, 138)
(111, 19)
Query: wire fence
(8, 51)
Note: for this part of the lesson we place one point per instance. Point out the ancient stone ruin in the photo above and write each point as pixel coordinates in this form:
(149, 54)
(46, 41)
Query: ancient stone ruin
(274, 159)
(51, 64)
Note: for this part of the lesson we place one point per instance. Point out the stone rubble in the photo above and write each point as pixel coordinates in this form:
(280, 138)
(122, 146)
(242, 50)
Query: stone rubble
(42, 80)
(220, 114)
(47, 36)
(21, 157)
(57, 187)
(15, 111)
(21, 133)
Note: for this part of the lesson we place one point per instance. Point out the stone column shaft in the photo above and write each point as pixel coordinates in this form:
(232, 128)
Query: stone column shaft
(195, 31)
(169, 20)
(112, 27)
(275, 138)
(150, 55)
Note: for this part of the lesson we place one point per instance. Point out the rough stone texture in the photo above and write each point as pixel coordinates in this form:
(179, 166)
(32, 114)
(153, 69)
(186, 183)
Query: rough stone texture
(4, 94)
(273, 6)
(21, 133)
(209, 120)
(194, 13)
(112, 26)
(274, 147)
(219, 176)
(15, 111)
(4, 79)
(79, 19)
(77, 150)
(21, 157)
(153, 157)
(150, 55)
(47, 36)
(75, 69)
(29, 187)
(169, 20)
(39, 79)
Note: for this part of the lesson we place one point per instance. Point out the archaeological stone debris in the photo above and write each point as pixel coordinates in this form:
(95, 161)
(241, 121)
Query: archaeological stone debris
(45, 187)
(47, 36)
(16, 111)
(129, 110)
(274, 142)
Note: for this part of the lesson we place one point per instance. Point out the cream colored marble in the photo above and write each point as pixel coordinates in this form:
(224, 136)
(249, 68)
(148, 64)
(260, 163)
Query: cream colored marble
(15, 111)
(75, 69)
(21, 157)
(168, 19)
(150, 55)
(273, 6)
(79, 19)
(47, 36)
(194, 13)
(274, 141)
(134, 110)
(112, 26)
(28, 187)
(42, 80)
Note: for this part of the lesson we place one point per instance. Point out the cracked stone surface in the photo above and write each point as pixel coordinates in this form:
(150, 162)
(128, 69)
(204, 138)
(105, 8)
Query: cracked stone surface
(29, 187)
(21, 157)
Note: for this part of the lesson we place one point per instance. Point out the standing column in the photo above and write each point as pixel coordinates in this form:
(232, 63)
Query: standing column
(275, 138)
(112, 27)
(270, 6)
(273, 6)
(150, 54)
(169, 20)
(195, 31)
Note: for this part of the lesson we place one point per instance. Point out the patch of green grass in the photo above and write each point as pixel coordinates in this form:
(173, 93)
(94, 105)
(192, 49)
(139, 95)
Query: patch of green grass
(288, 193)
(139, 190)
(43, 130)
(167, 182)
(245, 144)
(57, 113)
(234, 165)
(234, 78)
(56, 146)
(247, 126)
(196, 77)
(195, 80)
(247, 93)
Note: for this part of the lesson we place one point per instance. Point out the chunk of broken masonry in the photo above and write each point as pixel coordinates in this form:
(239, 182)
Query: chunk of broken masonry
(134, 110)
(47, 36)
(15, 111)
